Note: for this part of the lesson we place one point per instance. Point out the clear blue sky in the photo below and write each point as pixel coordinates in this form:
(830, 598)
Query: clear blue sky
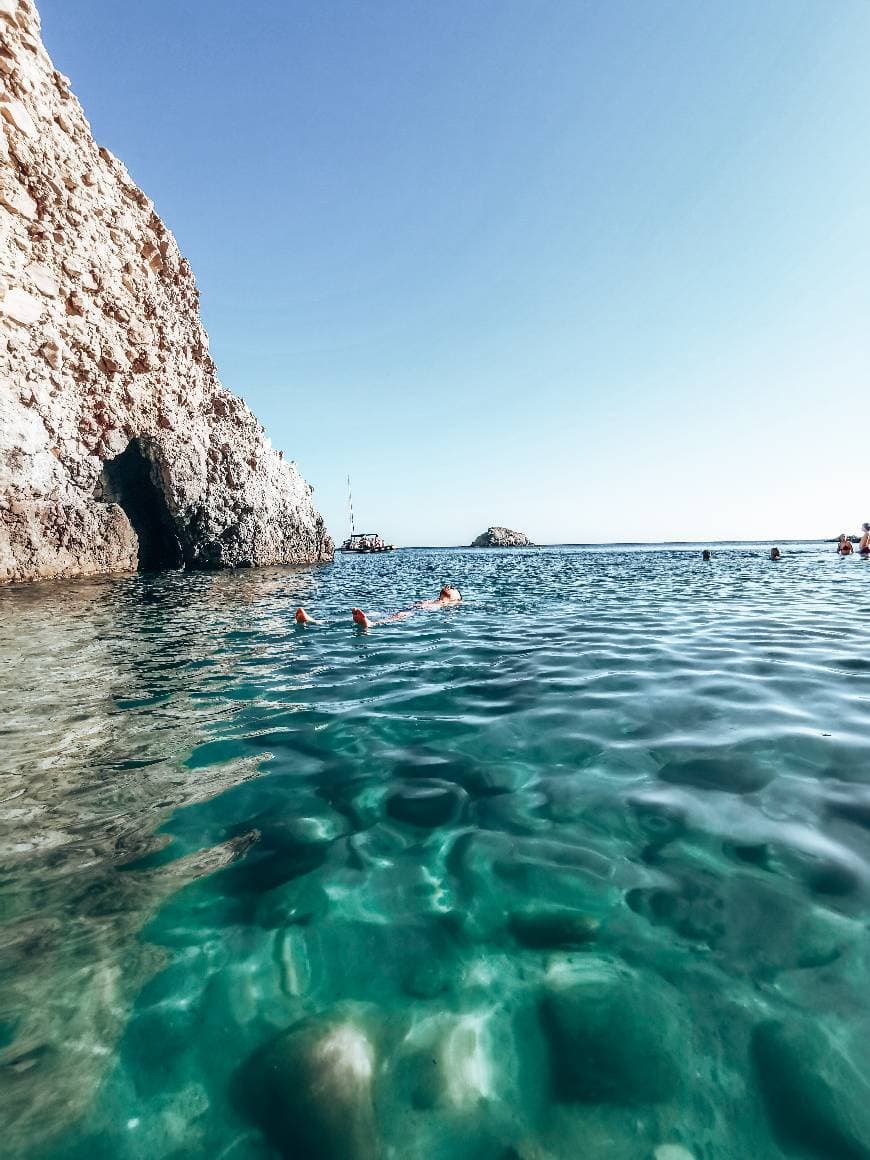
(594, 270)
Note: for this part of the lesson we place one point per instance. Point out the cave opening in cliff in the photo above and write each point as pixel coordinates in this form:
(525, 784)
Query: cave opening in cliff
(131, 481)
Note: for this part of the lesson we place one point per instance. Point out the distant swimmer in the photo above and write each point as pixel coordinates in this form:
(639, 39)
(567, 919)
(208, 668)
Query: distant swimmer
(775, 554)
(864, 546)
(705, 555)
(844, 545)
(448, 595)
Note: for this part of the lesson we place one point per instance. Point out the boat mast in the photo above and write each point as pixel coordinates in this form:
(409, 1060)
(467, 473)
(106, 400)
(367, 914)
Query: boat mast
(350, 507)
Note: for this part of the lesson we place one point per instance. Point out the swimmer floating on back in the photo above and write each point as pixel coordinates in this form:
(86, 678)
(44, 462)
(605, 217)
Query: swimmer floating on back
(447, 596)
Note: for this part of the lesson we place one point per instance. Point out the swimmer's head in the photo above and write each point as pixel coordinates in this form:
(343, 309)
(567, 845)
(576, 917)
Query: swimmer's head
(775, 553)
(449, 594)
(705, 555)
(866, 527)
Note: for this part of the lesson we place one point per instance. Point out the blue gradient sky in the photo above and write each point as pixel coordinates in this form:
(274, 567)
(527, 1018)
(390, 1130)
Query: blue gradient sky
(597, 271)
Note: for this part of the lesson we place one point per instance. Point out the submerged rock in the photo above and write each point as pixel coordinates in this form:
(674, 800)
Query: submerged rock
(311, 1091)
(445, 1062)
(553, 927)
(692, 905)
(294, 903)
(119, 448)
(852, 803)
(612, 1037)
(660, 818)
(427, 803)
(427, 978)
(730, 773)
(816, 1099)
(502, 538)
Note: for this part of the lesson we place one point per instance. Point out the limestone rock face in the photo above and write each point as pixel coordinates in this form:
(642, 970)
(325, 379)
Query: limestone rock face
(118, 445)
(502, 538)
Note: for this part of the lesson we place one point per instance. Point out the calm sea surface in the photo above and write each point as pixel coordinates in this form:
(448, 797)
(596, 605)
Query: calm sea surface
(579, 869)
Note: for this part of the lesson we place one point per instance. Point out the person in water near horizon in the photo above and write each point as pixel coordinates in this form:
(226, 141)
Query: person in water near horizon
(844, 545)
(775, 554)
(864, 546)
(448, 595)
(705, 555)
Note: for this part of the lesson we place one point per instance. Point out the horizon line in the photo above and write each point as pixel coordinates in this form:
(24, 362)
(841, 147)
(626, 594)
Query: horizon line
(624, 544)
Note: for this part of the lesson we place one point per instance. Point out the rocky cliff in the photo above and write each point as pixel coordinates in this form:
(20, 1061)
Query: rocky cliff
(118, 445)
(502, 538)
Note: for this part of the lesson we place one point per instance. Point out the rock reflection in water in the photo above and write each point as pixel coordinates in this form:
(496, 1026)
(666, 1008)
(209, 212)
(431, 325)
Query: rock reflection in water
(468, 885)
(96, 725)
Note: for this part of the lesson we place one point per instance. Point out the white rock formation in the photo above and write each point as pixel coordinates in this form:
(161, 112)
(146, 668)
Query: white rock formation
(118, 445)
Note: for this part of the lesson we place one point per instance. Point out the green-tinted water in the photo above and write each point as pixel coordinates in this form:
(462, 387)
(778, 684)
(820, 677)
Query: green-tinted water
(579, 869)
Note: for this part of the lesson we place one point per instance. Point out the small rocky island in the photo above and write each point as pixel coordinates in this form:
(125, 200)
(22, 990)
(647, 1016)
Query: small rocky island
(502, 538)
(119, 447)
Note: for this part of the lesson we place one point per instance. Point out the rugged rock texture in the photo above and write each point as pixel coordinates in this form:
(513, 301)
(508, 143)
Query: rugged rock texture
(501, 538)
(118, 445)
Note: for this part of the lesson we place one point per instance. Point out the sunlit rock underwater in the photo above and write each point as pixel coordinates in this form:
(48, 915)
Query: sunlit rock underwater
(576, 868)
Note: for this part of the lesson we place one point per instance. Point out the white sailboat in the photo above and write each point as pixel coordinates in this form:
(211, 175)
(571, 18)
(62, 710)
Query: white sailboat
(362, 543)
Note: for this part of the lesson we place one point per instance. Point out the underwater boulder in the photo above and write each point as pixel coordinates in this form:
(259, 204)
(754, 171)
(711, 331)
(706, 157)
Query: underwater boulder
(770, 928)
(851, 803)
(672, 1152)
(552, 927)
(427, 803)
(816, 1098)
(730, 773)
(660, 818)
(427, 978)
(446, 1063)
(826, 869)
(284, 850)
(693, 904)
(612, 1036)
(297, 902)
(311, 1091)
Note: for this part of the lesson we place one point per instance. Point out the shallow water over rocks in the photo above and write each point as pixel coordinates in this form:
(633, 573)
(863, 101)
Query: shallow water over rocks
(579, 868)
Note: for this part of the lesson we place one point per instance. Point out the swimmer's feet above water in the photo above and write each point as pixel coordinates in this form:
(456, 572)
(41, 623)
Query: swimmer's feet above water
(358, 615)
(448, 595)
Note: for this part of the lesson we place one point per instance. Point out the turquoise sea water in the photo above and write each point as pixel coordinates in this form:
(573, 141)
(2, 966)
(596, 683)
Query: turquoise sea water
(578, 869)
